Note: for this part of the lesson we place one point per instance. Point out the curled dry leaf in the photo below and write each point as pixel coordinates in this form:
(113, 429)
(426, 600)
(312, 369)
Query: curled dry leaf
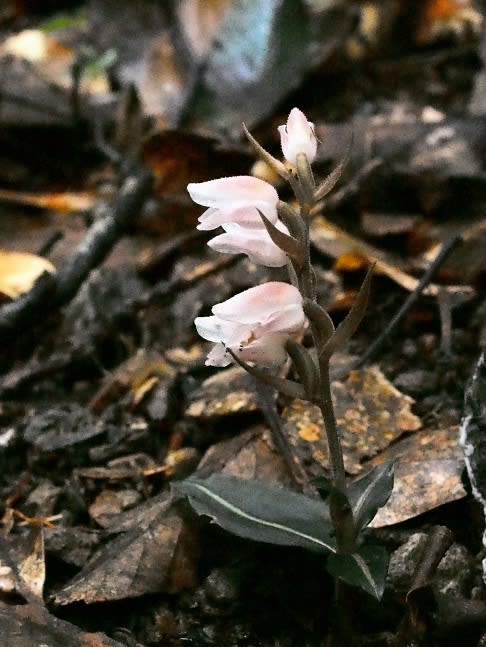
(20, 270)
(22, 565)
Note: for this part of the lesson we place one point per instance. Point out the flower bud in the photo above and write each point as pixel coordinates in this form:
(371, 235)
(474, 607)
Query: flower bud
(298, 136)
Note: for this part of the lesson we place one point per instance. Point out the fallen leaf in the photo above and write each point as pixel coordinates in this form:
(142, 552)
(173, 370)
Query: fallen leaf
(133, 564)
(20, 270)
(428, 473)
(22, 565)
(442, 17)
(334, 241)
(63, 202)
(248, 455)
(370, 412)
(25, 625)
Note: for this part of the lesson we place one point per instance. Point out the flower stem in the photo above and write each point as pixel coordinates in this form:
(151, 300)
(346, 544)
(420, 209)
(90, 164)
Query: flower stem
(341, 513)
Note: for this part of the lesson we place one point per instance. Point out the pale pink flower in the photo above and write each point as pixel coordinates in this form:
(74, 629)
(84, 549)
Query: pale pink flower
(254, 324)
(298, 136)
(253, 241)
(234, 199)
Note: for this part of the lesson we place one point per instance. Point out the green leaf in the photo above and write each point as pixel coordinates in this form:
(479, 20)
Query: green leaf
(370, 493)
(350, 323)
(261, 512)
(366, 569)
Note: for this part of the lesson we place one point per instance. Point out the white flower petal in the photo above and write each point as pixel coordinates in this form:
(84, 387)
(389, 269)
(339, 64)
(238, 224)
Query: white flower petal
(218, 356)
(298, 136)
(262, 304)
(255, 242)
(213, 218)
(268, 350)
(232, 193)
(213, 328)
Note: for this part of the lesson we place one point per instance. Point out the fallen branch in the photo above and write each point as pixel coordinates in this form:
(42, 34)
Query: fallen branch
(52, 291)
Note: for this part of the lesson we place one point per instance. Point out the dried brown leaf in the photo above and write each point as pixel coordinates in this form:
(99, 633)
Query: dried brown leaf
(371, 413)
(136, 563)
(427, 474)
(24, 625)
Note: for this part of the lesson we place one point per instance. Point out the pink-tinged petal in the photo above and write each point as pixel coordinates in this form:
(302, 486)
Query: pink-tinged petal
(298, 136)
(231, 193)
(218, 356)
(255, 325)
(213, 218)
(264, 305)
(215, 329)
(268, 350)
(256, 243)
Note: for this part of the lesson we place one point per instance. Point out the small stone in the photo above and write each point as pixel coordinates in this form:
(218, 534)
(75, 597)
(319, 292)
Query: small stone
(221, 588)
(404, 561)
(409, 349)
(416, 382)
(455, 573)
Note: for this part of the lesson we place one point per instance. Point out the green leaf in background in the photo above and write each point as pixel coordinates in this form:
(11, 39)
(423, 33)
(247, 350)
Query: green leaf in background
(65, 20)
(370, 493)
(260, 55)
(261, 512)
(366, 569)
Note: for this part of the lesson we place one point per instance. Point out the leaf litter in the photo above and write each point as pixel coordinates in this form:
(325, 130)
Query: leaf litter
(88, 407)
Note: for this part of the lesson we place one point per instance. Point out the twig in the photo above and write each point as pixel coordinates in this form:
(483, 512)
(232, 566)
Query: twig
(50, 242)
(54, 290)
(446, 250)
(414, 624)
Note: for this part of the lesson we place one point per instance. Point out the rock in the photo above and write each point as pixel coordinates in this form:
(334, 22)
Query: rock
(416, 382)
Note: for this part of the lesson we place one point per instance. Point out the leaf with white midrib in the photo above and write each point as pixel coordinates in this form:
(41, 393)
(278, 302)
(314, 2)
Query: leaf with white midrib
(366, 568)
(261, 512)
(371, 493)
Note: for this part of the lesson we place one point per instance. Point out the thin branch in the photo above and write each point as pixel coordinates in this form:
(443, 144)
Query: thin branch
(427, 277)
(51, 291)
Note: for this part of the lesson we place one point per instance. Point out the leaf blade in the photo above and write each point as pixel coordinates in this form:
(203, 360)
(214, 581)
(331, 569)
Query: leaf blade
(366, 568)
(261, 512)
(371, 493)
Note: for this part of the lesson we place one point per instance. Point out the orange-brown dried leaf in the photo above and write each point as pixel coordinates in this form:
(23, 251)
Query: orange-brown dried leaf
(442, 17)
(177, 158)
(370, 412)
(20, 270)
(62, 202)
(350, 262)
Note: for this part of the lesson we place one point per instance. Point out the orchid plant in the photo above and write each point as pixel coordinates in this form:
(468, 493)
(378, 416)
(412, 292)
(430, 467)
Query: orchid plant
(261, 330)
